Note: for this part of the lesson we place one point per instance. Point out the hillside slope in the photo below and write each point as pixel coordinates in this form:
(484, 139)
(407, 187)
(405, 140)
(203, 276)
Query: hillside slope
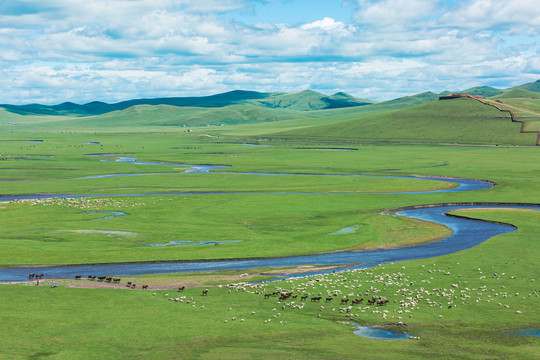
(517, 93)
(452, 121)
(308, 100)
(534, 86)
(303, 101)
(141, 117)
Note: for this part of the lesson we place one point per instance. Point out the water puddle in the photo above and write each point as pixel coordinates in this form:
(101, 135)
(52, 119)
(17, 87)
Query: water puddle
(331, 149)
(105, 232)
(110, 214)
(91, 143)
(248, 144)
(348, 230)
(523, 333)
(380, 334)
(22, 159)
(191, 243)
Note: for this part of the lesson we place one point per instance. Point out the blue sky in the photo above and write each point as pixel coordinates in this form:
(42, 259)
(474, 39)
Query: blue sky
(53, 51)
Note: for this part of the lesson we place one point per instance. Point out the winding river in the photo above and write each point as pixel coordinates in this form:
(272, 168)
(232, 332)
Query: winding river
(466, 234)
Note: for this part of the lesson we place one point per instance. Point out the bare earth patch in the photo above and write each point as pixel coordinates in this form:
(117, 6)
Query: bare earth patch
(175, 281)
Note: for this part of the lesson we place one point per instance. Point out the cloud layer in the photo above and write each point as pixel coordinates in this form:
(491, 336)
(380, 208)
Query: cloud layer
(74, 50)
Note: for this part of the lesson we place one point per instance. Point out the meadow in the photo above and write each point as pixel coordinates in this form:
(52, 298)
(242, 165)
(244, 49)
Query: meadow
(471, 304)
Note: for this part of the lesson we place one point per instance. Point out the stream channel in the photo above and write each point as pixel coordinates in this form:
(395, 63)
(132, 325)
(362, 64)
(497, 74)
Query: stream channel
(466, 234)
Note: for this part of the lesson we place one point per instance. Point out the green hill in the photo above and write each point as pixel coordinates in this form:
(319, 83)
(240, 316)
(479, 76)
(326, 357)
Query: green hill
(146, 116)
(309, 100)
(303, 101)
(456, 121)
(165, 115)
(534, 86)
(485, 91)
(97, 107)
(412, 100)
(518, 93)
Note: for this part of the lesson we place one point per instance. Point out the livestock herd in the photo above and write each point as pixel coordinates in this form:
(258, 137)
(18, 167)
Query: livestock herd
(374, 292)
(107, 279)
(375, 300)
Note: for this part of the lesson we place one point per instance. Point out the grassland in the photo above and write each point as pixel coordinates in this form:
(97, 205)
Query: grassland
(484, 293)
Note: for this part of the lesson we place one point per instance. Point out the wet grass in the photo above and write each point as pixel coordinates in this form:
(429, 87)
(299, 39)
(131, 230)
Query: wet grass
(463, 305)
(68, 323)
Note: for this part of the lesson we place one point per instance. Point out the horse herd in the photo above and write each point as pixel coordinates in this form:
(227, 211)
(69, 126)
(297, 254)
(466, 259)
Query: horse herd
(289, 295)
(108, 279)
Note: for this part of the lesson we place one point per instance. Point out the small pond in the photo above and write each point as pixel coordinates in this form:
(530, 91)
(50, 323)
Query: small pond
(380, 334)
(348, 230)
(195, 243)
(524, 333)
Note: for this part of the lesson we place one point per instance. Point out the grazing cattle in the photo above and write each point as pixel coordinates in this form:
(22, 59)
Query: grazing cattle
(344, 301)
(381, 302)
(275, 293)
(101, 278)
(294, 296)
(39, 276)
(116, 280)
(316, 299)
(304, 297)
(108, 279)
(78, 277)
(91, 277)
(266, 296)
(133, 286)
(128, 284)
(31, 276)
(181, 288)
(371, 301)
(329, 299)
(205, 292)
(144, 287)
(357, 301)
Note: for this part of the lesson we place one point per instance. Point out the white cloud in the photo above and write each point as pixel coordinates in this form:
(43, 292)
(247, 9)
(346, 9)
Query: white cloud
(330, 26)
(112, 50)
(390, 15)
(512, 16)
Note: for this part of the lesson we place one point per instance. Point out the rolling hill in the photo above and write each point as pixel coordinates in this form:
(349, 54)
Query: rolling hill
(457, 121)
(485, 91)
(303, 101)
(308, 100)
(305, 114)
(516, 93)
(534, 86)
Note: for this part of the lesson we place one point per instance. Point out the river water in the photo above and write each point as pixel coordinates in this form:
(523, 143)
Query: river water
(466, 234)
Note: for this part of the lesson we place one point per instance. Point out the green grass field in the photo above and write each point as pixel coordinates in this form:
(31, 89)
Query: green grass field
(467, 305)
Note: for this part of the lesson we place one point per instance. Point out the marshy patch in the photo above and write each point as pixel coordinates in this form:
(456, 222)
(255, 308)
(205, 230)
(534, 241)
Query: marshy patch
(348, 230)
(108, 214)
(379, 334)
(523, 334)
(104, 232)
(195, 243)
(326, 148)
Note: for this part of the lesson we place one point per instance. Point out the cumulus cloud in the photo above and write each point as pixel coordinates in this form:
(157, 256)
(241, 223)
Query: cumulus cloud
(330, 26)
(512, 16)
(112, 50)
(391, 15)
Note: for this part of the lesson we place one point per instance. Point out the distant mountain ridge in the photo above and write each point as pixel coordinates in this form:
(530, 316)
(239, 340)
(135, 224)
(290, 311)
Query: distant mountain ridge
(303, 101)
